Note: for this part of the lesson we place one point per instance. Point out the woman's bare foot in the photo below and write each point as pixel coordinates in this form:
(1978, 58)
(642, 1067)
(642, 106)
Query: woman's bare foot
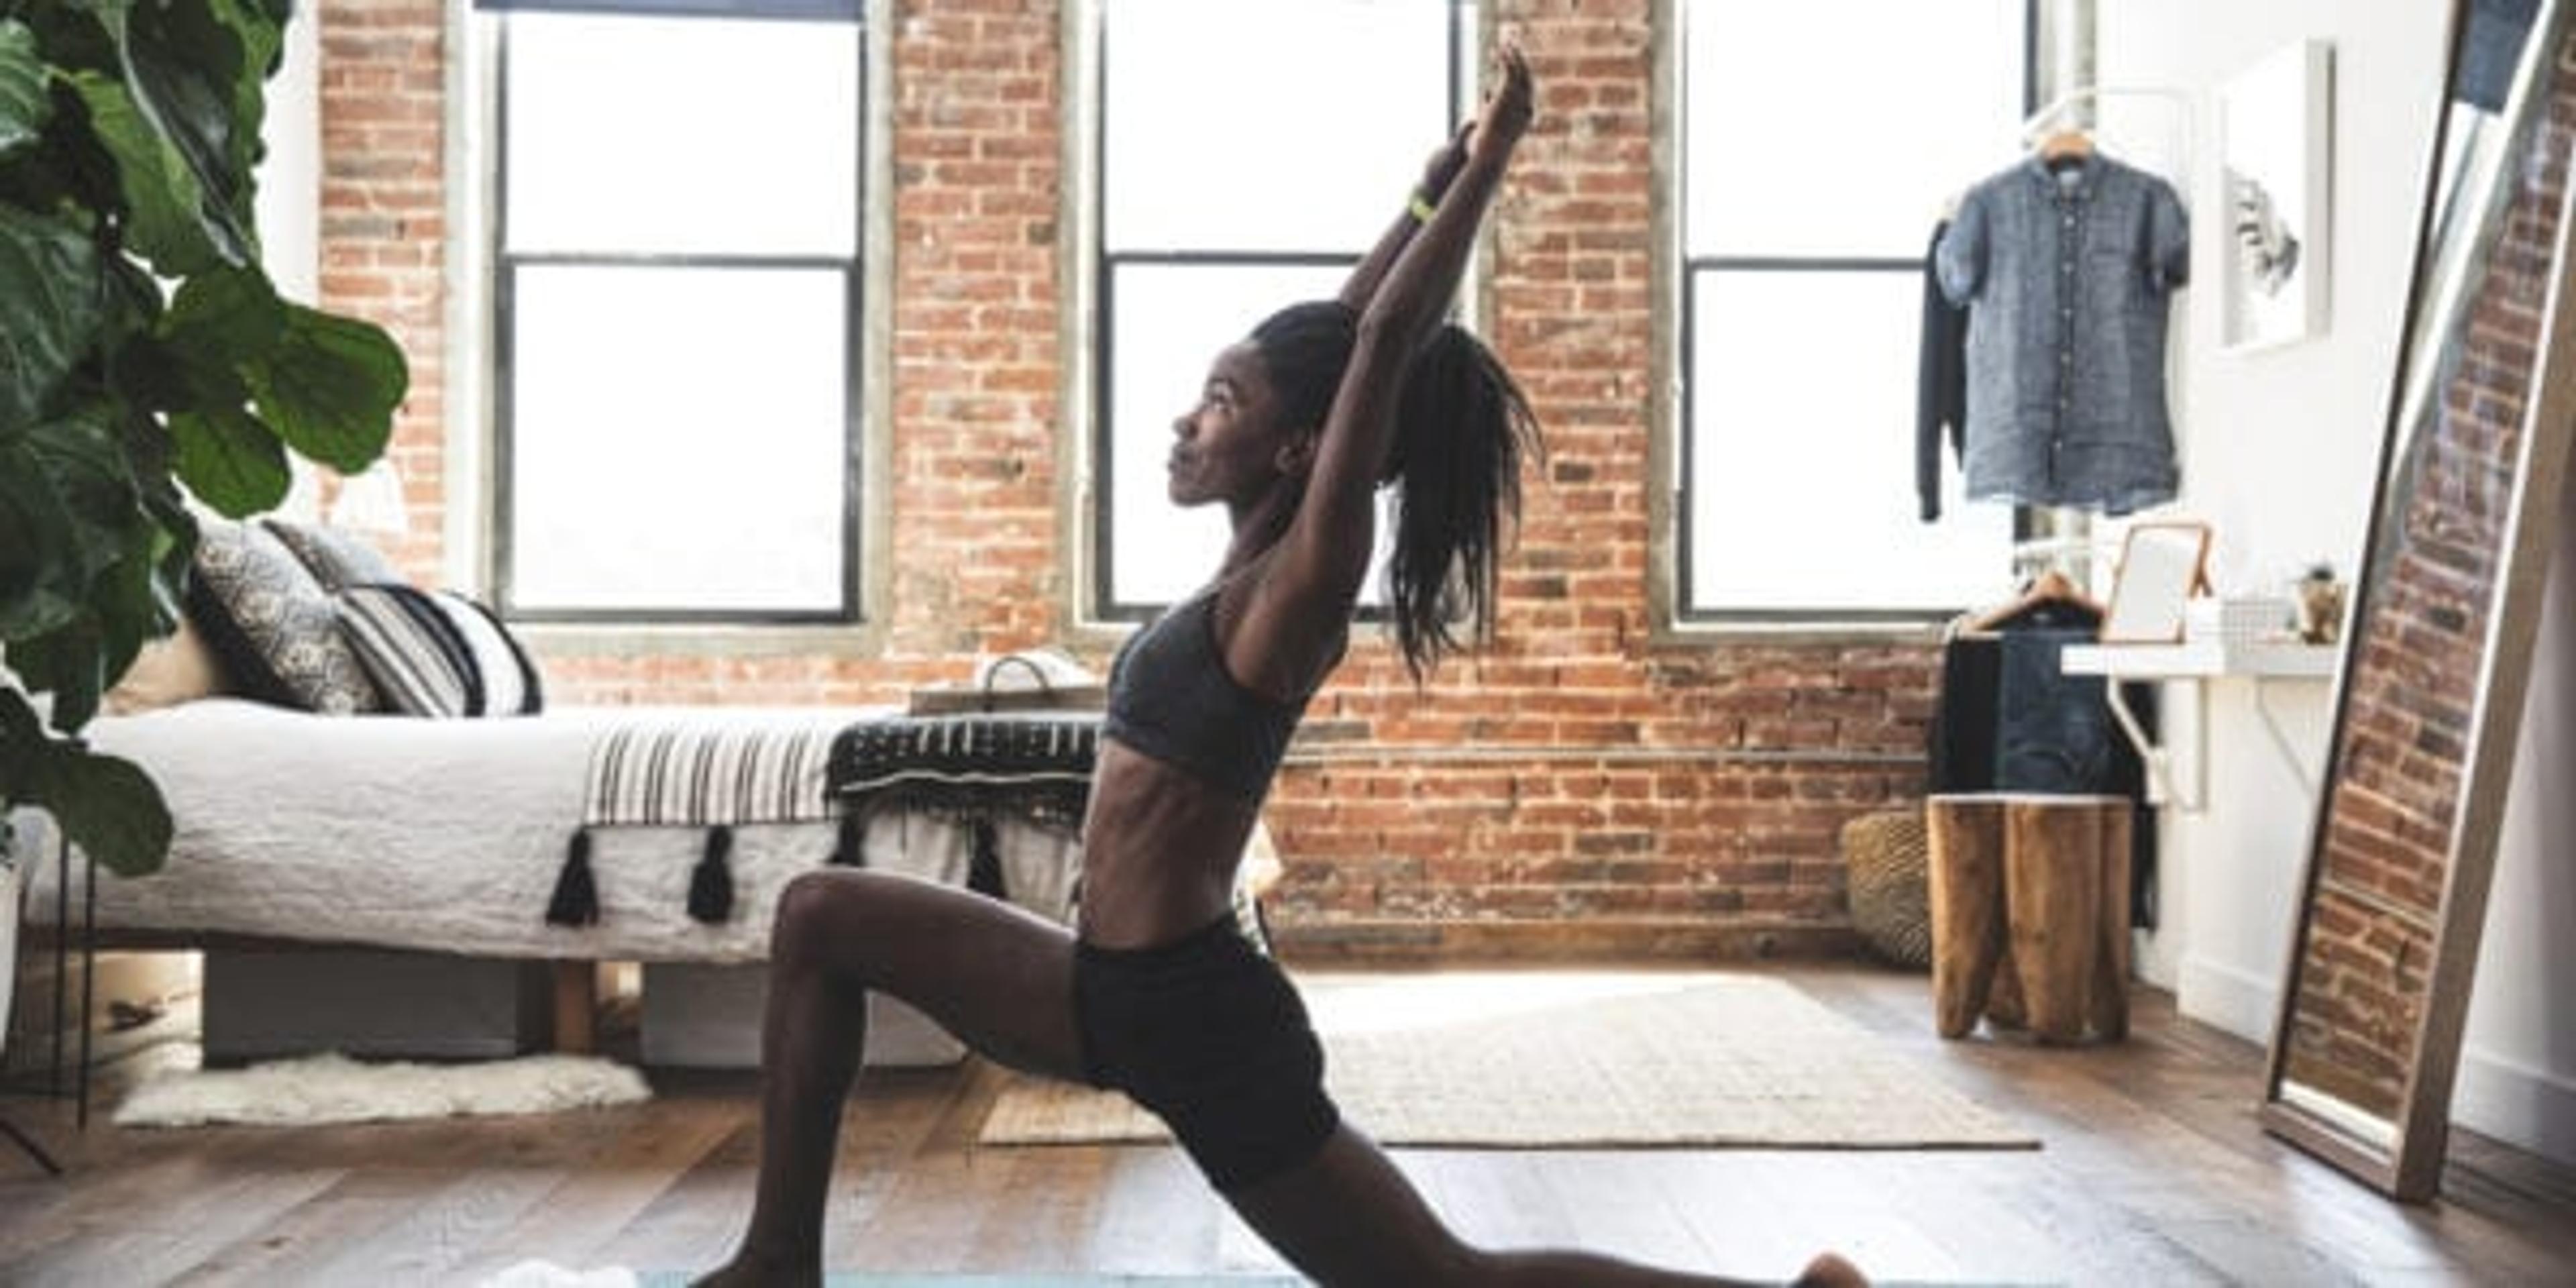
(1831, 1271)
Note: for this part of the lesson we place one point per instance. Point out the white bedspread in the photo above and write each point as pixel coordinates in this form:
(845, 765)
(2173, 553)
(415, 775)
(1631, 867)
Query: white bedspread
(447, 835)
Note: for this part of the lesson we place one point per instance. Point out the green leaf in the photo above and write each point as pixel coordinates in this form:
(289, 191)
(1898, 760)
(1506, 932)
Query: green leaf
(81, 455)
(22, 739)
(107, 806)
(50, 309)
(185, 64)
(128, 600)
(40, 588)
(164, 202)
(229, 317)
(230, 460)
(174, 546)
(263, 39)
(331, 386)
(118, 539)
(23, 103)
(68, 662)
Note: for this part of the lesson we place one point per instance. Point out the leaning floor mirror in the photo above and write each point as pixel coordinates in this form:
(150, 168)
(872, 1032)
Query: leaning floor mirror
(2438, 652)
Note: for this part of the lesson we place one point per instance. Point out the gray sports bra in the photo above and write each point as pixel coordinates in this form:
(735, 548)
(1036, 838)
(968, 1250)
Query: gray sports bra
(1171, 698)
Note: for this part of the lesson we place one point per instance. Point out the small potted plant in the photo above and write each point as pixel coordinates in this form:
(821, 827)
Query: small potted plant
(2320, 598)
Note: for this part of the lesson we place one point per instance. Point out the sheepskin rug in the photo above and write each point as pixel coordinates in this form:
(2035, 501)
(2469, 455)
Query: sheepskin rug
(332, 1088)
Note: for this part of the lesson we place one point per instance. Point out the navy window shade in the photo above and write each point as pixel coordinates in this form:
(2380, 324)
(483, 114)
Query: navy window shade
(807, 10)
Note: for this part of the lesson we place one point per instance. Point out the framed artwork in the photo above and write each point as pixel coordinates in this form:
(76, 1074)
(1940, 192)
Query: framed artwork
(2276, 149)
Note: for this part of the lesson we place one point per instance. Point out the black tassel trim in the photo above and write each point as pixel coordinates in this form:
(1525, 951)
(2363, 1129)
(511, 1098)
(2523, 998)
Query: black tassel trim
(851, 851)
(576, 901)
(711, 884)
(984, 870)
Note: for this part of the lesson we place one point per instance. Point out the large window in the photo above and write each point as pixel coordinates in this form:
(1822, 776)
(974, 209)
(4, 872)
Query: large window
(1814, 168)
(1233, 183)
(677, 316)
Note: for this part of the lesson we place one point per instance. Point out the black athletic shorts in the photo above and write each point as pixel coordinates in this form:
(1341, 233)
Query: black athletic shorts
(1207, 1034)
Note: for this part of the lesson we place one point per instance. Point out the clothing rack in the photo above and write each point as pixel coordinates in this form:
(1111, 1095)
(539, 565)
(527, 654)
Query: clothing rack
(2074, 556)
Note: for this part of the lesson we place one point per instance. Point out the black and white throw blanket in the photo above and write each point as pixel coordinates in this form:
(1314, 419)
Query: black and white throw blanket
(973, 770)
(714, 775)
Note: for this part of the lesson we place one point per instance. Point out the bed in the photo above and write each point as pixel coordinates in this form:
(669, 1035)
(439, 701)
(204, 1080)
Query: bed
(357, 766)
(450, 836)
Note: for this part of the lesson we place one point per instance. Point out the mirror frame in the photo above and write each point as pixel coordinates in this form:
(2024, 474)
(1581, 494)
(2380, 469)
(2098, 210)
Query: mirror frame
(2126, 583)
(2407, 1165)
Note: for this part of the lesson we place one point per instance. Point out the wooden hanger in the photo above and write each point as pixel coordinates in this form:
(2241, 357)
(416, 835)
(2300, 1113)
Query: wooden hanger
(2050, 587)
(2066, 145)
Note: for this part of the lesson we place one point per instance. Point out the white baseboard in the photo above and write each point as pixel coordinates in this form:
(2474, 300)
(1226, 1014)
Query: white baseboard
(2517, 1104)
(2237, 1000)
(2523, 1106)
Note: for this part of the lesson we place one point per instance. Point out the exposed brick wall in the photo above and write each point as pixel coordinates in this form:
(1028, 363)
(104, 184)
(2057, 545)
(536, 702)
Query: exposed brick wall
(384, 220)
(2364, 972)
(1617, 793)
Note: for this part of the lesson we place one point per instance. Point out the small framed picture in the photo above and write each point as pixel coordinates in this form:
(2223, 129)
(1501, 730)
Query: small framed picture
(2162, 565)
(2276, 123)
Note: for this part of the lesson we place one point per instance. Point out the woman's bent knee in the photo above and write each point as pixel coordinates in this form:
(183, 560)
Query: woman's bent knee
(816, 909)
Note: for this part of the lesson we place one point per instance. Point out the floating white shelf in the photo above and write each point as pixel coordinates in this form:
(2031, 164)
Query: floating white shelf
(2195, 662)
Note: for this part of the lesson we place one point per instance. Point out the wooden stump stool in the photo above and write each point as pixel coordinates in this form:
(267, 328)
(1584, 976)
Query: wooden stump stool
(2030, 913)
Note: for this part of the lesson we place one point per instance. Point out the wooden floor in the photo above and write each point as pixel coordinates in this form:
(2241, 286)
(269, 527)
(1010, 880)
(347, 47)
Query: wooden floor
(2153, 1172)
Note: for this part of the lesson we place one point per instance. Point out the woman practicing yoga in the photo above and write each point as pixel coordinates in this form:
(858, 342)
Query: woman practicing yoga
(1158, 995)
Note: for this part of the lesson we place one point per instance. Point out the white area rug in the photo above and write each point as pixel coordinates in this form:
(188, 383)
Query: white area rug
(333, 1088)
(1553, 1059)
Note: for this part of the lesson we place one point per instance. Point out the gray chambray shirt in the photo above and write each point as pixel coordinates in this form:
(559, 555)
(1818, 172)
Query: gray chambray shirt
(2067, 275)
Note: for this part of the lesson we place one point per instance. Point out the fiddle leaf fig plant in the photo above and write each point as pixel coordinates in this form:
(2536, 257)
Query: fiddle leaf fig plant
(145, 361)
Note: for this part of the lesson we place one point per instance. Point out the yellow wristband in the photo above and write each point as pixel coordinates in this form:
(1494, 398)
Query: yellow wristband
(1422, 210)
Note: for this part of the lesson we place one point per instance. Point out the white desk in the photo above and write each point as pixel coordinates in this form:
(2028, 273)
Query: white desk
(2197, 662)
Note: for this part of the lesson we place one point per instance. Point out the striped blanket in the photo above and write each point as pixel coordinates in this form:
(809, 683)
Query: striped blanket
(727, 771)
(680, 775)
(973, 770)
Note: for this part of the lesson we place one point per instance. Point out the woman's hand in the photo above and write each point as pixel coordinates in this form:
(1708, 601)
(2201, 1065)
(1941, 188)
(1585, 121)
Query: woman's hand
(1507, 111)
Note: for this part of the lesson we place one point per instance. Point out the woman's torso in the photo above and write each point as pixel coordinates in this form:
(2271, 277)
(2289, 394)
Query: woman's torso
(1178, 785)
(1159, 850)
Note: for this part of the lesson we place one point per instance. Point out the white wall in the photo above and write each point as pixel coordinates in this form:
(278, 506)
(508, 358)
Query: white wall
(2279, 451)
(2518, 1066)
(288, 205)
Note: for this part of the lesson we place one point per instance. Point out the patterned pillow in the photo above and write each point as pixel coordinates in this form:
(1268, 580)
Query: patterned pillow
(272, 624)
(439, 653)
(337, 559)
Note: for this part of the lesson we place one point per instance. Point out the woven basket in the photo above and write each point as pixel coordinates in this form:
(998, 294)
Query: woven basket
(1890, 894)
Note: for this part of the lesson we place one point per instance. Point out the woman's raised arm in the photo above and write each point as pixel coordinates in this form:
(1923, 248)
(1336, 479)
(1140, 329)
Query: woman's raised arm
(1328, 545)
(1437, 174)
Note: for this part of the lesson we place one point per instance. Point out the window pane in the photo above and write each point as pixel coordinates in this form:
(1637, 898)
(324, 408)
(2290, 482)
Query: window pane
(1803, 141)
(1802, 466)
(716, 400)
(1168, 324)
(1306, 145)
(663, 135)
